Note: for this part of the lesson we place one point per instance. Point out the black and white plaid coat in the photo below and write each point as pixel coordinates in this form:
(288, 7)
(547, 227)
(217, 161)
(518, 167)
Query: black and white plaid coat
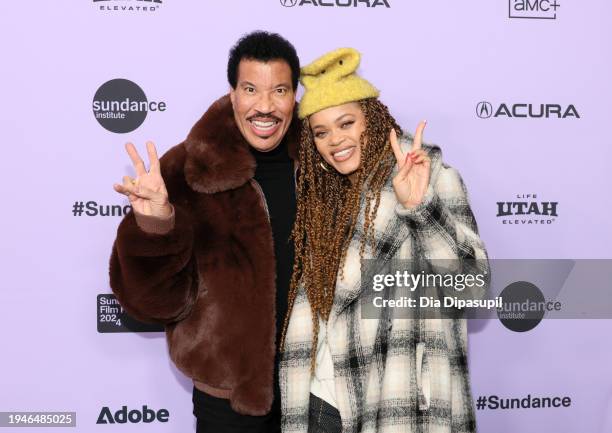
(393, 375)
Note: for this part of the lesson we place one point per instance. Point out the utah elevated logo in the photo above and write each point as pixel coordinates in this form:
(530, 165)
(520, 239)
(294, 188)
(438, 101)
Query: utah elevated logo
(527, 209)
(128, 5)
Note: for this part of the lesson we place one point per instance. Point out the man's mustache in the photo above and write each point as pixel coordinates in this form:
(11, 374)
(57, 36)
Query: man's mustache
(263, 116)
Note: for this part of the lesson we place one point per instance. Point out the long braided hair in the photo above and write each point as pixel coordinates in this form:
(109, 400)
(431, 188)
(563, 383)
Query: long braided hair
(327, 208)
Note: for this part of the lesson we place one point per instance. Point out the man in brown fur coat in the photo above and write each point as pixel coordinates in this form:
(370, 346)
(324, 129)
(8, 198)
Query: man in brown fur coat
(205, 250)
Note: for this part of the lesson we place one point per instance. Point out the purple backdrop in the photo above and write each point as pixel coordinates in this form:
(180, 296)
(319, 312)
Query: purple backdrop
(431, 60)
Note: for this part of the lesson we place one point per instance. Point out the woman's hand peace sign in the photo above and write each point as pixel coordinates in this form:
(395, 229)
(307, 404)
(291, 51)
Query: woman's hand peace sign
(412, 179)
(147, 192)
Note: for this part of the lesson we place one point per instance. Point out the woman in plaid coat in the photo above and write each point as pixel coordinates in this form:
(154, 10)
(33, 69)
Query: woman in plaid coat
(368, 191)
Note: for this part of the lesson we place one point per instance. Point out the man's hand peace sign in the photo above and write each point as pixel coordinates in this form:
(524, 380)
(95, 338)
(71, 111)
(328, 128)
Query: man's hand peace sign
(147, 192)
(411, 182)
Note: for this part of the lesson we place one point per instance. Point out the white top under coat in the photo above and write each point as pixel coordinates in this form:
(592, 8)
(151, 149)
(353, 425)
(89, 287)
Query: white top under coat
(322, 383)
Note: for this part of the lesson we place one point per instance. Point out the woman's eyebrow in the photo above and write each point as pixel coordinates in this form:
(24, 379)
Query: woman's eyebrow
(342, 117)
(338, 119)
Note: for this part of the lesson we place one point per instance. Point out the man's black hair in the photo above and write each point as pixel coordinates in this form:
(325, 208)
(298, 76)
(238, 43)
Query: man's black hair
(262, 46)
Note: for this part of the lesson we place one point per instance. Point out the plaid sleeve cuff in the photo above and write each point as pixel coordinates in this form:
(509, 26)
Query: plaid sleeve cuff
(422, 211)
(154, 224)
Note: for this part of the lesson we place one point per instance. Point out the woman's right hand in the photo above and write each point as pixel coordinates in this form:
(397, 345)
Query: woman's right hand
(147, 192)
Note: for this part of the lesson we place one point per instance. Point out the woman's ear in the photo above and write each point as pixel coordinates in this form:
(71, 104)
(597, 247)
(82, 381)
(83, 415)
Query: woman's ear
(364, 138)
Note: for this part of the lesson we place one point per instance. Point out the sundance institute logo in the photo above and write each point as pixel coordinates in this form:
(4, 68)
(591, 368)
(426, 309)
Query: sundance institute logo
(121, 106)
(524, 306)
(336, 3)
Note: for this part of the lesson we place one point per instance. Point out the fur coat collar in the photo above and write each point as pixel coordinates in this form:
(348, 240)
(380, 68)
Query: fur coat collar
(217, 155)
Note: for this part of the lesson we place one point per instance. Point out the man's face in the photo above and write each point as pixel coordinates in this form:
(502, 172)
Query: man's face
(263, 102)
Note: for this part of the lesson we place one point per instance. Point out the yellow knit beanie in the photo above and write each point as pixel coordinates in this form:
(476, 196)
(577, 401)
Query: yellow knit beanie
(331, 80)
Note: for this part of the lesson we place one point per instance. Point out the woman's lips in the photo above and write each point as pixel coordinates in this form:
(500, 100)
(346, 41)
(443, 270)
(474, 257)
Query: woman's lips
(343, 155)
(264, 128)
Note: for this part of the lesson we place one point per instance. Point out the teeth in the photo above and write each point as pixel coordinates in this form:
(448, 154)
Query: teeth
(264, 125)
(343, 153)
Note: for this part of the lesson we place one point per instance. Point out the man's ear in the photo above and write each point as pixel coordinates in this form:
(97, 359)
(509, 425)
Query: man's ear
(232, 93)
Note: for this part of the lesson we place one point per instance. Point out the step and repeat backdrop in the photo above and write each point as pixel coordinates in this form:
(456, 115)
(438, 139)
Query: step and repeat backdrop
(516, 93)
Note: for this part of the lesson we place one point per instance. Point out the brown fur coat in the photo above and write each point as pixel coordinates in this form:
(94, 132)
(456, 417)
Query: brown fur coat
(210, 279)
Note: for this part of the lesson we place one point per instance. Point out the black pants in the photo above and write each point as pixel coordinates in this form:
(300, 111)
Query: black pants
(215, 415)
(323, 417)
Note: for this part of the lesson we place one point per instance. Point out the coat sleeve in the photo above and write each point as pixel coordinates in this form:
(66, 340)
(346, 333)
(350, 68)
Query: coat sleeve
(446, 230)
(152, 268)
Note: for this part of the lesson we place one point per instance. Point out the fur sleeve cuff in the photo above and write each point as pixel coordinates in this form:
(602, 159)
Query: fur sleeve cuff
(155, 225)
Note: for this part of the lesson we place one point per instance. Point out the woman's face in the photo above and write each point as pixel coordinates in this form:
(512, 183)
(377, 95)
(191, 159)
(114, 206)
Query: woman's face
(337, 133)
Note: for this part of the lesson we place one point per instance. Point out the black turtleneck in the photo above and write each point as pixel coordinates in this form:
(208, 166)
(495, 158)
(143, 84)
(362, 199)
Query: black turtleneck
(275, 175)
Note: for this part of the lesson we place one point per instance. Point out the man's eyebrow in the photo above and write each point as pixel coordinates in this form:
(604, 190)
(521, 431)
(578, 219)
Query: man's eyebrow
(276, 86)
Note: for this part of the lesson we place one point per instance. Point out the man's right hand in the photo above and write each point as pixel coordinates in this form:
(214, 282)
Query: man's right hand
(147, 192)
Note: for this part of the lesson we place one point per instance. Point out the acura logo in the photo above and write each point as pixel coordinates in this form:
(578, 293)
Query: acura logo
(336, 3)
(484, 110)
